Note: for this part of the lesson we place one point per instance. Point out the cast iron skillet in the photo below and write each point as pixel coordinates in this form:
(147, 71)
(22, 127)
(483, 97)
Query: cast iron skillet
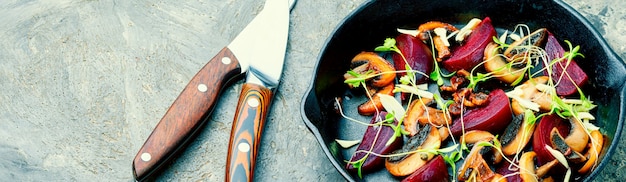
(374, 21)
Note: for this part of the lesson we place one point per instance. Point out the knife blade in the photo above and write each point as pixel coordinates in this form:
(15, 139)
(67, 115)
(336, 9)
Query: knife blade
(256, 95)
(258, 46)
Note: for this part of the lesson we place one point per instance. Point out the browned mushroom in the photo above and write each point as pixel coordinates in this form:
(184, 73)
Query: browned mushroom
(523, 132)
(404, 165)
(443, 50)
(495, 63)
(369, 61)
(597, 140)
(371, 106)
(475, 167)
(518, 50)
(439, 40)
(527, 166)
(475, 136)
(469, 98)
(576, 140)
(444, 133)
(559, 144)
(543, 170)
(527, 169)
(415, 110)
(528, 91)
(423, 29)
(435, 117)
(420, 112)
(455, 82)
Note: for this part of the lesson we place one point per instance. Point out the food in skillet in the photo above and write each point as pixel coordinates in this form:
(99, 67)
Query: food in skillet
(507, 107)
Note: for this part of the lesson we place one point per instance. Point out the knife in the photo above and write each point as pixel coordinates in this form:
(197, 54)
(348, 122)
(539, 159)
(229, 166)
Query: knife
(259, 51)
(256, 94)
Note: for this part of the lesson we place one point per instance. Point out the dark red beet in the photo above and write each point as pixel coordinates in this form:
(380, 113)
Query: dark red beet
(566, 86)
(503, 169)
(493, 117)
(541, 138)
(472, 51)
(433, 171)
(417, 54)
(374, 162)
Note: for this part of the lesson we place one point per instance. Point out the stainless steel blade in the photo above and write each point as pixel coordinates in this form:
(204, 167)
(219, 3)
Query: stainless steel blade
(260, 47)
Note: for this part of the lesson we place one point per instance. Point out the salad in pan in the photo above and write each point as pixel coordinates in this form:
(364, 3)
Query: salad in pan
(469, 103)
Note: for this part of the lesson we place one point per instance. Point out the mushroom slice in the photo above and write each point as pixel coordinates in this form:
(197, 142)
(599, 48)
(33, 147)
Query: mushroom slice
(440, 40)
(597, 140)
(528, 171)
(443, 50)
(414, 112)
(529, 92)
(548, 179)
(435, 117)
(577, 138)
(371, 106)
(366, 61)
(561, 145)
(420, 112)
(543, 170)
(495, 63)
(475, 166)
(404, 165)
(444, 133)
(518, 50)
(475, 136)
(423, 29)
(527, 166)
(523, 134)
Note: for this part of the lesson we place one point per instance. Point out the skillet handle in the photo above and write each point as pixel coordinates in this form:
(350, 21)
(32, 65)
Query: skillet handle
(186, 115)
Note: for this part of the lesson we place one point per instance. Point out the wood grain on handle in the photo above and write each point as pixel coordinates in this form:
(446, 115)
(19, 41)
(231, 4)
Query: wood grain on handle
(186, 115)
(245, 136)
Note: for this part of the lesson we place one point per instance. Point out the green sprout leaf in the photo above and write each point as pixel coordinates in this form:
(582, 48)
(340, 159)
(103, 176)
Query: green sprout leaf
(388, 45)
(359, 79)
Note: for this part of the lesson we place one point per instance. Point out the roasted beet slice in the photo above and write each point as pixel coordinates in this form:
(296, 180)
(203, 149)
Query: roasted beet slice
(471, 52)
(434, 170)
(565, 86)
(417, 55)
(369, 138)
(493, 117)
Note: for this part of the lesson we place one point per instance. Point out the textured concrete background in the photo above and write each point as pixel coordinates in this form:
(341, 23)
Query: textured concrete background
(84, 82)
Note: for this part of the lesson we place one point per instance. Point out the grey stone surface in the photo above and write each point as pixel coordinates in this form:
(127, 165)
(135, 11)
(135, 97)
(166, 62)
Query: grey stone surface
(84, 82)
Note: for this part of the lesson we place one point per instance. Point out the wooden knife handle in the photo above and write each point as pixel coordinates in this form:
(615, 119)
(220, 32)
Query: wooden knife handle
(186, 115)
(245, 136)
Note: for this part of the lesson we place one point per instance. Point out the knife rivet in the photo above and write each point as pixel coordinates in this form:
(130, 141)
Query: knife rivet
(243, 147)
(226, 60)
(253, 102)
(146, 157)
(202, 88)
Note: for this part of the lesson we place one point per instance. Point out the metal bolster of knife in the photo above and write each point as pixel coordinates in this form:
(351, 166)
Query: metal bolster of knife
(256, 77)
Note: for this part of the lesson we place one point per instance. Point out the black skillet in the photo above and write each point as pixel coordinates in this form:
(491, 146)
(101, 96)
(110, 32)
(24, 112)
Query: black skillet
(374, 21)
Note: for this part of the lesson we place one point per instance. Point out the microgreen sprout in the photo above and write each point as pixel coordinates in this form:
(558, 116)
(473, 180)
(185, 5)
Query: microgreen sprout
(388, 45)
(452, 158)
(359, 79)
